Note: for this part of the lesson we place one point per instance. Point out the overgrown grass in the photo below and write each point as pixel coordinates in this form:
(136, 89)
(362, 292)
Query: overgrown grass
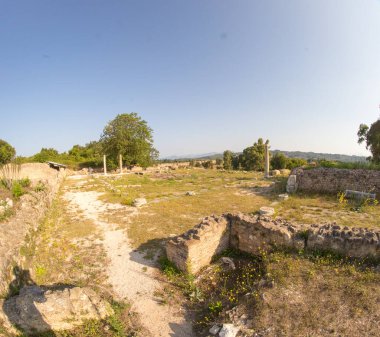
(286, 293)
(309, 208)
(54, 253)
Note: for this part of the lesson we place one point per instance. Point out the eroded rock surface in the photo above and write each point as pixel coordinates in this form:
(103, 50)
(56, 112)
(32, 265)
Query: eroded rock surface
(37, 309)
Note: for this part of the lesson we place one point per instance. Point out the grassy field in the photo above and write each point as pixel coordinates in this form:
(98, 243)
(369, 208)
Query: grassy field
(170, 211)
(277, 294)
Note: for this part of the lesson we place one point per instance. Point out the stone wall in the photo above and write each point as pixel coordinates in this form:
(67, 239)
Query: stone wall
(255, 234)
(333, 180)
(29, 212)
(195, 249)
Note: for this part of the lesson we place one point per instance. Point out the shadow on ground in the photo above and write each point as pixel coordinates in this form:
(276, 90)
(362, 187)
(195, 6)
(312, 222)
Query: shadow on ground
(149, 252)
(23, 313)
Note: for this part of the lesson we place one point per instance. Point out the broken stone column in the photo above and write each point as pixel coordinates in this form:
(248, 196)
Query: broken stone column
(105, 164)
(121, 163)
(266, 169)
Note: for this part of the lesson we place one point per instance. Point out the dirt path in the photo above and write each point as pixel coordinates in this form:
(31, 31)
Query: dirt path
(131, 276)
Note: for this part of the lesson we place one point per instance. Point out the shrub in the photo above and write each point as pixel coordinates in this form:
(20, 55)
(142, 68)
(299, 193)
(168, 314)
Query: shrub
(17, 190)
(24, 182)
(279, 161)
(40, 187)
(7, 152)
(168, 267)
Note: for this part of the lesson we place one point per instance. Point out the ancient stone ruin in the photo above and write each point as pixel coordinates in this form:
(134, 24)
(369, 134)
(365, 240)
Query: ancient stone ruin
(333, 180)
(254, 234)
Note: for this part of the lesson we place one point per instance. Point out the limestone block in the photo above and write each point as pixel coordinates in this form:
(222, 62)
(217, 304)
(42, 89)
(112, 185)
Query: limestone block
(39, 310)
(228, 330)
(291, 186)
(139, 202)
(266, 210)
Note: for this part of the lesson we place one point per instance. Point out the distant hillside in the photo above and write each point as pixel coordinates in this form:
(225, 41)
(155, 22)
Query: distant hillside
(205, 156)
(291, 154)
(328, 156)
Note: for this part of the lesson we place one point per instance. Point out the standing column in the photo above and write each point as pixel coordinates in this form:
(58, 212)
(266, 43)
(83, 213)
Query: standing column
(121, 163)
(266, 169)
(104, 165)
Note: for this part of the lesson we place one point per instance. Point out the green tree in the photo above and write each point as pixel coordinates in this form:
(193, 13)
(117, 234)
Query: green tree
(295, 162)
(371, 136)
(45, 154)
(254, 156)
(278, 161)
(227, 160)
(7, 152)
(219, 162)
(131, 137)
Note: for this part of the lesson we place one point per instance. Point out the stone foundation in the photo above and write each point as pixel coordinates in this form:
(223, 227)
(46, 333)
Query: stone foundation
(254, 234)
(332, 180)
(195, 249)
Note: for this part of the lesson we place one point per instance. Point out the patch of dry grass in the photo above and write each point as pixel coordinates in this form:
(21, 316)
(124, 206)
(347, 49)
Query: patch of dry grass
(171, 211)
(287, 294)
(325, 208)
(319, 297)
(65, 249)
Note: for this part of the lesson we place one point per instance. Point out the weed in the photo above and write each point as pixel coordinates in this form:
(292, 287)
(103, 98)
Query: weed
(40, 187)
(168, 267)
(40, 271)
(25, 182)
(17, 190)
(215, 307)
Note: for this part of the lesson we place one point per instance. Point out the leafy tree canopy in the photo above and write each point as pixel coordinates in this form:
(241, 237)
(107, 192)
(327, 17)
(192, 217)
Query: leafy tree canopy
(254, 156)
(131, 137)
(227, 160)
(46, 154)
(7, 152)
(279, 161)
(371, 136)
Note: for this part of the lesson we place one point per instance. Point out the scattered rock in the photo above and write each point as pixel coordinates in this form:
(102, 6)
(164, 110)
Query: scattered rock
(190, 193)
(228, 330)
(214, 330)
(266, 210)
(284, 196)
(139, 202)
(275, 173)
(285, 172)
(38, 310)
(9, 202)
(229, 262)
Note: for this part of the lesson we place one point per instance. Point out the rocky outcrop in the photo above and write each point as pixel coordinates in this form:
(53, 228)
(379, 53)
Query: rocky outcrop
(333, 180)
(255, 234)
(37, 310)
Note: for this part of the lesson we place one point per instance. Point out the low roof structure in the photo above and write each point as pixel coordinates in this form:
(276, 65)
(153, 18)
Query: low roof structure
(56, 166)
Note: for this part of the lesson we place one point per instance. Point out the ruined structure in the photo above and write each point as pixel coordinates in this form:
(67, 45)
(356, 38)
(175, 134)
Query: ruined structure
(254, 234)
(28, 214)
(333, 180)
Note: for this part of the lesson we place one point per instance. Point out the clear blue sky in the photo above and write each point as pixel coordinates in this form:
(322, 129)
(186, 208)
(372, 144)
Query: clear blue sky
(207, 75)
